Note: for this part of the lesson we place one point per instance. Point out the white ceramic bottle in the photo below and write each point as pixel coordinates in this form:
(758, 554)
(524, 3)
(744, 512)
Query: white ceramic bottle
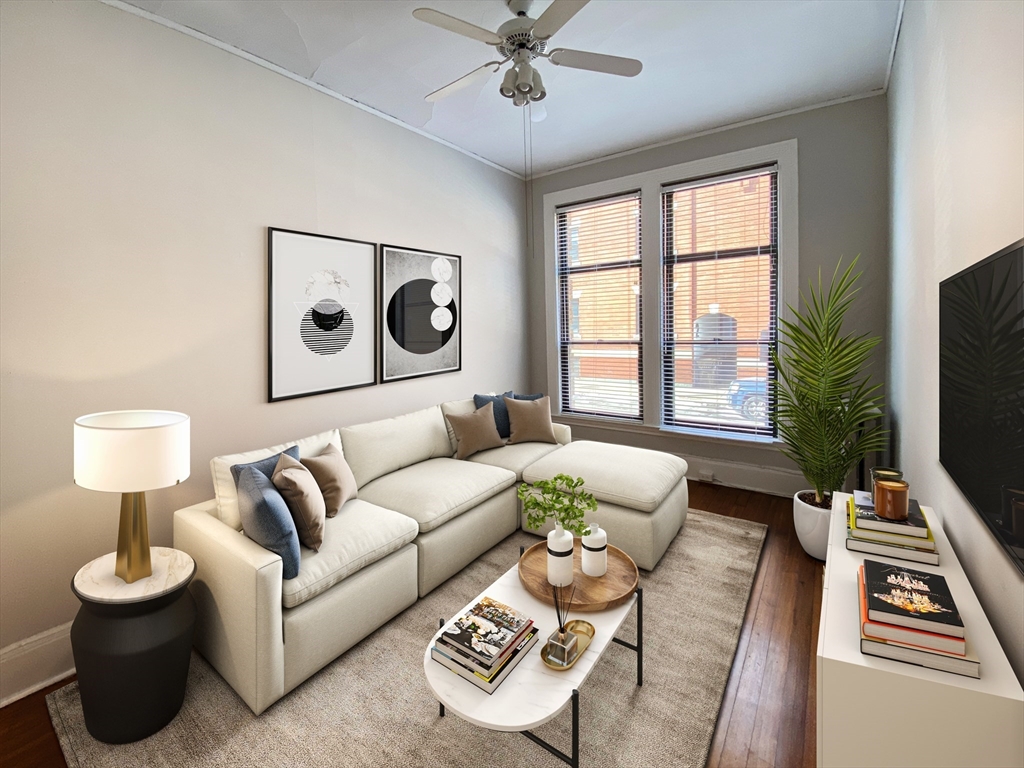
(595, 551)
(560, 557)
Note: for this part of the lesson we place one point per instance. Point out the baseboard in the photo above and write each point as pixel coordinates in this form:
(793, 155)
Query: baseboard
(749, 477)
(35, 662)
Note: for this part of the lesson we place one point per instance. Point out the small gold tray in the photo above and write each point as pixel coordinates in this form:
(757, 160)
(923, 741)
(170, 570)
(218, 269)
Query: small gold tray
(584, 632)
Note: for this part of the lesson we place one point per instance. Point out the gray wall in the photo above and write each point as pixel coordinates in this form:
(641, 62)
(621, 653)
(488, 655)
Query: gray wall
(843, 203)
(956, 116)
(139, 170)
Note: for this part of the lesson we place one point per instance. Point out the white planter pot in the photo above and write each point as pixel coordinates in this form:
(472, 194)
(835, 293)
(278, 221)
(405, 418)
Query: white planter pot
(811, 526)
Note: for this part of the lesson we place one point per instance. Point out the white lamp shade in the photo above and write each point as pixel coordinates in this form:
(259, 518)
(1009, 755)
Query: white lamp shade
(128, 451)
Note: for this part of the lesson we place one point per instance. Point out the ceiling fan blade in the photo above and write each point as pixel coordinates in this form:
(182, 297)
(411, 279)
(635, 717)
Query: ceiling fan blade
(458, 26)
(596, 62)
(480, 73)
(556, 16)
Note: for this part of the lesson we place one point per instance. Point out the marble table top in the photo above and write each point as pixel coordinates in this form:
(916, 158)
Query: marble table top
(96, 580)
(532, 693)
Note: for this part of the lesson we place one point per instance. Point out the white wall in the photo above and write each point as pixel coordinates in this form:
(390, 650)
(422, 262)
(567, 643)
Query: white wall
(139, 169)
(956, 146)
(843, 200)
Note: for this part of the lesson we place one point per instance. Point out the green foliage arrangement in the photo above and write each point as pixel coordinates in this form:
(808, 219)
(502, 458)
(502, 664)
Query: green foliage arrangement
(560, 498)
(823, 400)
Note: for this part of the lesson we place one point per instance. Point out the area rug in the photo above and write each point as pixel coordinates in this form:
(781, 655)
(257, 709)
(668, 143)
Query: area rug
(372, 706)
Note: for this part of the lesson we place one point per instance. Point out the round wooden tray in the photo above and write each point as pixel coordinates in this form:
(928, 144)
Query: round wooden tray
(592, 594)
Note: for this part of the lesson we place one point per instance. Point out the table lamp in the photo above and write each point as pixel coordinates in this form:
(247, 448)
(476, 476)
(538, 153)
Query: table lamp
(131, 452)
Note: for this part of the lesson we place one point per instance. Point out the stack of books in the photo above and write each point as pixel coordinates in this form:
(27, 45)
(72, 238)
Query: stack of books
(484, 644)
(909, 539)
(910, 616)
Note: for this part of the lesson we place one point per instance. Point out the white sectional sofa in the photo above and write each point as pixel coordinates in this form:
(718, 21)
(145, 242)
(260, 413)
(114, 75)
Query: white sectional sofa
(420, 517)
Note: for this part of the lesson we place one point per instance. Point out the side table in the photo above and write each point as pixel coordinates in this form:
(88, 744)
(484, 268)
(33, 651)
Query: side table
(132, 645)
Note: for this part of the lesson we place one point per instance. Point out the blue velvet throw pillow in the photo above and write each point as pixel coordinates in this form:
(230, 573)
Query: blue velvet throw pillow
(500, 411)
(267, 465)
(266, 519)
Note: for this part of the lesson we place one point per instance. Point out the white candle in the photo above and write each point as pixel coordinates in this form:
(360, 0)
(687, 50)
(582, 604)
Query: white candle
(595, 551)
(560, 557)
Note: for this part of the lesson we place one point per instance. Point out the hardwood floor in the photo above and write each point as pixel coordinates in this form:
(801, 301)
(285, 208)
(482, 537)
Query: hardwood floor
(768, 711)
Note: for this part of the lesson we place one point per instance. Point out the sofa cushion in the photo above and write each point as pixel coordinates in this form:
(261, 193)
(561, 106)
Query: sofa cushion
(266, 519)
(304, 500)
(379, 447)
(620, 474)
(224, 483)
(475, 431)
(432, 492)
(514, 458)
(333, 477)
(361, 534)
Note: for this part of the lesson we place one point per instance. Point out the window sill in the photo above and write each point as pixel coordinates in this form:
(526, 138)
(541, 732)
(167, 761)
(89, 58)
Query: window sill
(615, 425)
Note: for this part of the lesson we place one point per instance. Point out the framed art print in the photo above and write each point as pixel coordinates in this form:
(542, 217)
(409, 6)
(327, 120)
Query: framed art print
(421, 305)
(322, 314)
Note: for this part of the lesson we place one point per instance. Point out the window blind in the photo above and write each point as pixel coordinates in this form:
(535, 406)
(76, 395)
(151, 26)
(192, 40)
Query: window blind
(599, 329)
(720, 294)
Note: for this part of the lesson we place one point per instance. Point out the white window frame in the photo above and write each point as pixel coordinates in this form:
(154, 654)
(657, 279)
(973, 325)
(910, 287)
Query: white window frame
(651, 185)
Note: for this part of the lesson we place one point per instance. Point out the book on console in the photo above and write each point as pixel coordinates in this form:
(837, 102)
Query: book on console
(968, 665)
(488, 684)
(891, 550)
(485, 630)
(457, 652)
(899, 595)
(916, 638)
(854, 526)
(915, 525)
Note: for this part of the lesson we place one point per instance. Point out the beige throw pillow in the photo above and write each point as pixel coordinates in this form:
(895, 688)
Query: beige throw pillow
(304, 500)
(475, 431)
(530, 420)
(334, 476)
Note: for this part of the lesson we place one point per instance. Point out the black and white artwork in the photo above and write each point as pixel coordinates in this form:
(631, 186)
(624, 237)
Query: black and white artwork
(421, 301)
(322, 314)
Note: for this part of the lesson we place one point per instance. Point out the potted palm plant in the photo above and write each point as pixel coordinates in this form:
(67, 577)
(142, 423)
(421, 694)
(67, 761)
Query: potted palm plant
(826, 409)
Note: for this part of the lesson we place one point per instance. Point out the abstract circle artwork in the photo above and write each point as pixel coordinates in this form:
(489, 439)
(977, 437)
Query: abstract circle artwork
(326, 327)
(416, 322)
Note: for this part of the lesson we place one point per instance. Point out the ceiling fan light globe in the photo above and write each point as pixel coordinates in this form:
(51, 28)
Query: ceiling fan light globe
(524, 83)
(519, 99)
(508, 84)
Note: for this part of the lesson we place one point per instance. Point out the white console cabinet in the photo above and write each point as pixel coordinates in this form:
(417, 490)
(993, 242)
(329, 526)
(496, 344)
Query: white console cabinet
(877, 712)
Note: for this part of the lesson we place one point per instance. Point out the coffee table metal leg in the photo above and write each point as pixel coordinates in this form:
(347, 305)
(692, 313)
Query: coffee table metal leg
(441, 704)
(639, 647)
(574, 759)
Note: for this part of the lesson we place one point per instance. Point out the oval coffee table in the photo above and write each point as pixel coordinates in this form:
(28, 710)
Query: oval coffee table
(532, 694)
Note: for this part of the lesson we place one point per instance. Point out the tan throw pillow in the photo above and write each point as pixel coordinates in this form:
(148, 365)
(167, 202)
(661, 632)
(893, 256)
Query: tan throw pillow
(303, 498)
(475, 431)
(334, 476)
(530, 420)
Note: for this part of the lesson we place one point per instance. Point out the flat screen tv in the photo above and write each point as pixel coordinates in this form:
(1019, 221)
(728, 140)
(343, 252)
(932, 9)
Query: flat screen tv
(981, 391)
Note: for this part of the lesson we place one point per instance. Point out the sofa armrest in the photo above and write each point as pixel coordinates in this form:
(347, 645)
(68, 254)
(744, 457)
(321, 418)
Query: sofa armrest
(563, 433)
(237, 589)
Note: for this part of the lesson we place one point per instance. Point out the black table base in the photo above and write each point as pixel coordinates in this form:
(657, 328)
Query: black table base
(132, 663)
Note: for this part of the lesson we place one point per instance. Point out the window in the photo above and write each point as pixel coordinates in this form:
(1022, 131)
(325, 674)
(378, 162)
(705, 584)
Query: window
(599, 319)
(719, 297)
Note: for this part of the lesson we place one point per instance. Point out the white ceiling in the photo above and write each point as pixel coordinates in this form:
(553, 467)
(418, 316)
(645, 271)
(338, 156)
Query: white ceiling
(707, 63)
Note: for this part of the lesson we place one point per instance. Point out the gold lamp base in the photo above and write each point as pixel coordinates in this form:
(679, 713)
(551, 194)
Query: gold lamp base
(132, 561)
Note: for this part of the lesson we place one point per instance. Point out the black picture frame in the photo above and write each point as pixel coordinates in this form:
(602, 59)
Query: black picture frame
(396, 362)
(288, 361)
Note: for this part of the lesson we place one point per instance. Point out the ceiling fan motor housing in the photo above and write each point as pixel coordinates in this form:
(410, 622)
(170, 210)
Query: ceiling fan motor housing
(517, 36)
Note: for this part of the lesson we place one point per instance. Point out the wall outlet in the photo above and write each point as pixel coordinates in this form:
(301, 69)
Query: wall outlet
(706, 475)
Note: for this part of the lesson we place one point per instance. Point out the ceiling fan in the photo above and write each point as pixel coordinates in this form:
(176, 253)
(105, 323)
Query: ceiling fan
(521, 40)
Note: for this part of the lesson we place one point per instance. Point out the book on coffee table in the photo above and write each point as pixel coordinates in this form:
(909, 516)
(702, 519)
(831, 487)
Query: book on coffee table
(486, 630)
(484, 682)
